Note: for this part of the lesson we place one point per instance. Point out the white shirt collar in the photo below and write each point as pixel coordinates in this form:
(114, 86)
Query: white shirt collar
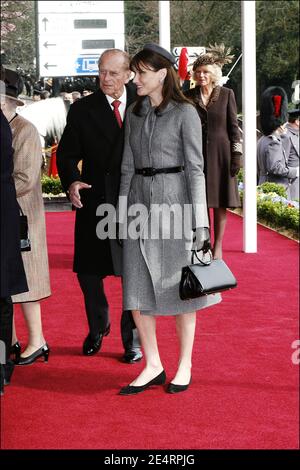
(122, 98)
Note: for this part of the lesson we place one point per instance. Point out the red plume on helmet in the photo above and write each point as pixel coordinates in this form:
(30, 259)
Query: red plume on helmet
(277, 103)
(183, 63)
(273, 109)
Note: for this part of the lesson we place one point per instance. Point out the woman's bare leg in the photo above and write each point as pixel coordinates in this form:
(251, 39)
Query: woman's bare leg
(185, 325)
(14, 337)
(146, 325)
(219, 229)
(32, 315)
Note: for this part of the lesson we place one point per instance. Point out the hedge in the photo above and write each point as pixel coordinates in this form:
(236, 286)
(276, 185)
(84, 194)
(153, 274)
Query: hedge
(275, 209)
(51, 185)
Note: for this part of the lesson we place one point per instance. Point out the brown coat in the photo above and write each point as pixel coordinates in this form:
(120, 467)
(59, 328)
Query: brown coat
(221, 137)
(27, 177)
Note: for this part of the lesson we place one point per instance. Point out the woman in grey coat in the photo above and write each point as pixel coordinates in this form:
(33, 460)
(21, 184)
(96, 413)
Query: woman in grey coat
(162, 177)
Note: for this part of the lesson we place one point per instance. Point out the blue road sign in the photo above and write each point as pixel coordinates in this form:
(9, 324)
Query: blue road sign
(87, 65)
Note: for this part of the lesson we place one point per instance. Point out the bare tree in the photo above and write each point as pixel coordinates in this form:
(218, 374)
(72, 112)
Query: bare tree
(18, 34)
(141, 24)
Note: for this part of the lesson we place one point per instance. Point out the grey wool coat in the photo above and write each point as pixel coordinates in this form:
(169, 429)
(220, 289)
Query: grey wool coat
(154, 256)
(272, 162)
(290, 143)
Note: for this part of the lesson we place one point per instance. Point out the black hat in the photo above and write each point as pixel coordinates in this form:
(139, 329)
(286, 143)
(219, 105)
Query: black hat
(273, 109)
(13, 84)
(159, 50)
(294, 113)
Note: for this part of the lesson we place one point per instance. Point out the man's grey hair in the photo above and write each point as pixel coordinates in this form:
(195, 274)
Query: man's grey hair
(125, 55)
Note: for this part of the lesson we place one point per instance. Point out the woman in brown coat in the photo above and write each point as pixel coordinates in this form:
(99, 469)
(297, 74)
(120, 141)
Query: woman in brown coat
(26, 174)
(221, 140)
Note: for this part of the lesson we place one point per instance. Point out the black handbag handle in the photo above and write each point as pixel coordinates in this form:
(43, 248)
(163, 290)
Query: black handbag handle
(20, 209)
(204, 263)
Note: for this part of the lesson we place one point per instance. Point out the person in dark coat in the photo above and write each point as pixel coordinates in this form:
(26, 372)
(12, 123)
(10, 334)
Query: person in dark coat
(221, 137)
(272, 159)
(13, 279)
(95, 135)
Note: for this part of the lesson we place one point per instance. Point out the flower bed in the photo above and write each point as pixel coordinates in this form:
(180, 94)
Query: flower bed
(275, 210)
(51, 187)
(54, 197)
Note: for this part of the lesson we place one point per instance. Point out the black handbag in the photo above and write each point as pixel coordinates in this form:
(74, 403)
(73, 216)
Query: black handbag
(206, 277)
(24, 237)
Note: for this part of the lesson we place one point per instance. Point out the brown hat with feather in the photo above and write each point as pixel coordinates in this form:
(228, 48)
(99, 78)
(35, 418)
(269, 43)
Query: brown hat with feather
(217, 54)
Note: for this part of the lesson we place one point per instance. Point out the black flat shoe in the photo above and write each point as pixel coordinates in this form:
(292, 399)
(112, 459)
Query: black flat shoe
(15, 350)
(132, 390)
(131, 356)
(174, 388)
(41, 352)
(92, 345)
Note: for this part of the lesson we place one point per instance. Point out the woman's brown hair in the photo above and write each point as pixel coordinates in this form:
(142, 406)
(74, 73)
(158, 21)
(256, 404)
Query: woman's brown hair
(171, 88)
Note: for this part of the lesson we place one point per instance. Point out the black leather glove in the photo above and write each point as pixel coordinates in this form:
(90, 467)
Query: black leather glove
(201, 239)
(235, 164)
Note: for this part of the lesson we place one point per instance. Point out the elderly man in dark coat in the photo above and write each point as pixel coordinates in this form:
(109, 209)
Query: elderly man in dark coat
(13, 279)
(95, 135)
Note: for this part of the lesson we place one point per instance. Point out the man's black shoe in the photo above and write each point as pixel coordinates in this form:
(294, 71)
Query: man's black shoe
(92, 345)
(132, 355)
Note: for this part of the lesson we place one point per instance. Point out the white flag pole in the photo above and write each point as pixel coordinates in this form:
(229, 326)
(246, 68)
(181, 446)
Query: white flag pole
(164, 25)
(249, 126)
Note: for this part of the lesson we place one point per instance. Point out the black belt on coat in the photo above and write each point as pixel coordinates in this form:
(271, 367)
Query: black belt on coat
(154, 171)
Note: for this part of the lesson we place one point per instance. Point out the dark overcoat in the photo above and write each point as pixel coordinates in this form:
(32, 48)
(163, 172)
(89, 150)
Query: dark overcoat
(13, 279)
(221, 139)
(93, 136)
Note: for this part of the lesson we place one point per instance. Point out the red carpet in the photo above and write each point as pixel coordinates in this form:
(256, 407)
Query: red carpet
(244, 393)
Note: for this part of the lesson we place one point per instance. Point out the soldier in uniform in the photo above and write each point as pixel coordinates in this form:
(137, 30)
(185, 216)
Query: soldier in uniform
(272, 160)
(291, 146)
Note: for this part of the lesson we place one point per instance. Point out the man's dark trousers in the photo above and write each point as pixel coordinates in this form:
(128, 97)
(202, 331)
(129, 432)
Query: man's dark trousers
(97, 311)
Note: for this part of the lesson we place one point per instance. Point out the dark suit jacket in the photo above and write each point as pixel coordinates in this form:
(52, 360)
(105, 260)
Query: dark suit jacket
(13, 278)
(92, 135)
